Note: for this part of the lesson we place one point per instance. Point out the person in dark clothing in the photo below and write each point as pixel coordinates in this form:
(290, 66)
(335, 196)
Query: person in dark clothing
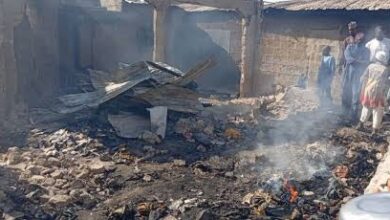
(325, 75)
(357, 59)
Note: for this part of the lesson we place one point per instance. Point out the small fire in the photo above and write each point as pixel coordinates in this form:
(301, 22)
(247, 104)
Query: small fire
(292, 189)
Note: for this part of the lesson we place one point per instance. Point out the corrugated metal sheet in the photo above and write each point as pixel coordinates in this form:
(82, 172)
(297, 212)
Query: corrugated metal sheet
(186, 7)
(307, 5)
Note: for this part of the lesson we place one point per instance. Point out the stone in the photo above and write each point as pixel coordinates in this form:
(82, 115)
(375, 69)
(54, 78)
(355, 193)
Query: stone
(75, 193)
(27, 154)
(14, 157)
(60, 183)
(34, 169)
(36, 179)
(176, 204)
(77, 184)
(201, 148)
(149, 149)
(63, 192)
(179, 163)
(229, 174)
(57, 174)
(47, 171)
(74, 172)
(60, 200)
(52, 161)
(52, 153)
(190, 201)
(97, 167)
(40, 161)
(169, 217)
(205, 215)
(13, 215)
(150, 138)
(49, 182)
(148, 178)
(84, 174)
(66, 186)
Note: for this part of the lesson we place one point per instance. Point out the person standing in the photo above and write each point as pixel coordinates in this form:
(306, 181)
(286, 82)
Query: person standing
(356, 59)
(354, 36)
(373, 96)
(379, 43)
(325, 75)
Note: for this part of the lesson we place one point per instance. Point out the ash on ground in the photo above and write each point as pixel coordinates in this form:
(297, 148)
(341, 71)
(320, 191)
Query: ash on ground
(240, 159)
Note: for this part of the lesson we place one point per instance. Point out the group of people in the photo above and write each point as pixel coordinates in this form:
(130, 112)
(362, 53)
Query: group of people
(365, 76)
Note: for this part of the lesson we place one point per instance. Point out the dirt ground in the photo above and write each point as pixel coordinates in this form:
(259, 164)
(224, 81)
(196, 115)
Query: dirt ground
(277, 160)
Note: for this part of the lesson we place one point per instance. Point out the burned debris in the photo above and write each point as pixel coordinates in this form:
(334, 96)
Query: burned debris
(207, 166)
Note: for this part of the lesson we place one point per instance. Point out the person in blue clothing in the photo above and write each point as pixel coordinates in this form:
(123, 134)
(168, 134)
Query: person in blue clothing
(325, 75)
(357, 58)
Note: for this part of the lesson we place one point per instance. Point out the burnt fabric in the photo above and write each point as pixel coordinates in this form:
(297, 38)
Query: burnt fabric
(357, 58)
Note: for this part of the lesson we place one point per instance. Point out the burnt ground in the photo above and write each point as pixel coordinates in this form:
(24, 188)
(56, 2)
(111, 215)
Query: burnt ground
(301, 166)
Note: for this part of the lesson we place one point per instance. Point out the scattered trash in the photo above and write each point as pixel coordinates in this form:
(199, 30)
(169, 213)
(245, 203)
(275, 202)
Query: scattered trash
(158, 119)
(129, 125)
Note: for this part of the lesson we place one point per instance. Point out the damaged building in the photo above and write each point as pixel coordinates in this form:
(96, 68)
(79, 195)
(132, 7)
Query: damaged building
(77, 35)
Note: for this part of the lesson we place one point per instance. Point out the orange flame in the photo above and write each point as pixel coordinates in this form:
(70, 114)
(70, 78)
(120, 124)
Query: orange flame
(292, 190)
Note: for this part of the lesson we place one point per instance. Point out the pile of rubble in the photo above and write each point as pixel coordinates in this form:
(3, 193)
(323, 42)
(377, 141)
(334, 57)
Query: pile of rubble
(69, 168)
(223, 162)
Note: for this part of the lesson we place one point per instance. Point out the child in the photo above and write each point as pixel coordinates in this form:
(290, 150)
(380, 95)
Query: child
(373, 96)
(325, 74)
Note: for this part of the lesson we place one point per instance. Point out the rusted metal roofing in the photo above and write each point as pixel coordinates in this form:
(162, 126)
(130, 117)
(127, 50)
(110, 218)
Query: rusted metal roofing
(309, 5)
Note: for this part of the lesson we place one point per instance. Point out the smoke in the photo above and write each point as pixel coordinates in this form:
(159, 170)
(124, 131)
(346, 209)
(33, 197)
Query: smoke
(298, 145)
(194, 36)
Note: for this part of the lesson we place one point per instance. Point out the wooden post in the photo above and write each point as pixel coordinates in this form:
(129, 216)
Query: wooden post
(249, 46)
(160, 29)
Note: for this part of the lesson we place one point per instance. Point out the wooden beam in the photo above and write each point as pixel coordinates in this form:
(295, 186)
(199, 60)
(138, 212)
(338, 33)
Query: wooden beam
(160, 29)
(249, 55)
(246, 7)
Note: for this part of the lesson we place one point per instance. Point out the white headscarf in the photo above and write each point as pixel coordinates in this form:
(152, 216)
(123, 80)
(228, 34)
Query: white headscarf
(382, 57)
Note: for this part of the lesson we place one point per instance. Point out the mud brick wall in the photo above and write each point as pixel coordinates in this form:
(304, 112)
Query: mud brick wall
(28, 53)
(292, 44)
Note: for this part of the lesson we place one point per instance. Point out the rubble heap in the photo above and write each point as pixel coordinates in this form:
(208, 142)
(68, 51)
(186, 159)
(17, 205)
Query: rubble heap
(211, 165)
